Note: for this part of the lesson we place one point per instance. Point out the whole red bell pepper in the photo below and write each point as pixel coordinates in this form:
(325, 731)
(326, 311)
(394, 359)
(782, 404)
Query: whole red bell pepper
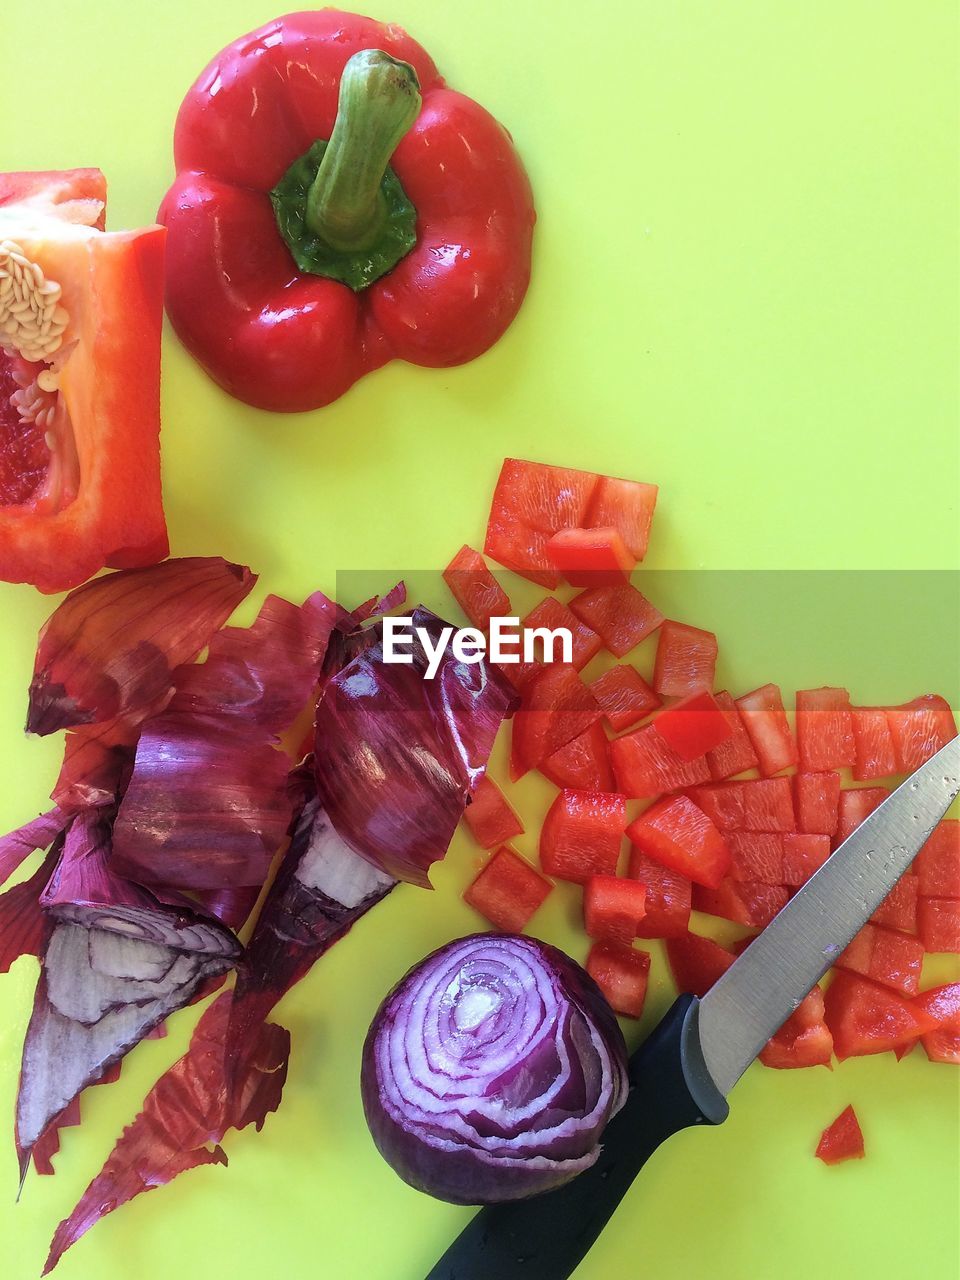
(336, 207)
(80, 317)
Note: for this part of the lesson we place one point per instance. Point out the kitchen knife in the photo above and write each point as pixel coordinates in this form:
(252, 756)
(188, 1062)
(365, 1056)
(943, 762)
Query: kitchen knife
(681, 1074)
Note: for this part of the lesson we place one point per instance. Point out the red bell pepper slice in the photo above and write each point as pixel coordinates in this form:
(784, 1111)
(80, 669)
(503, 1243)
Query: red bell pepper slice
(696, 963)
(681, 836)
(284, 337)
(531, 502)
(551, 615)
(874, 752)
(756, 857)
(590, 557)
(668, 897)
(627, 506)
(556, 707)
(686, 660)
(623, 696)
(508, 891)
(489, 816)
(803, 855)
(856, 804)
(583, 764)
(79, 421)
(892, 959)
(613, 908)
(898, 910)
(842, 1140)
(919, 729)
(475, 589)
(766, 722)
(694, 725)
(817, 797)
(937, 865)
(938, 924)
(866, 1018)
(644, 765)
(748, 902)
(804, 1040)
(736, 754)
(582, 834)
(942, 1004)
(620, 615)
(762, 804)
(824, 729)
(621, 973)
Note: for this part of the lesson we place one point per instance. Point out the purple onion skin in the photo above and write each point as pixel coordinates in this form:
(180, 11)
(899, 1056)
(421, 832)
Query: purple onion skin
(467, 1143)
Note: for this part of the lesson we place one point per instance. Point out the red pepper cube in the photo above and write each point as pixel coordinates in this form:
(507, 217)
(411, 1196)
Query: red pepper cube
(938, 924)
(696, 963)
(475, 588)
(874, 753)
(488, 815)
(581, 835)
(551, 615)
(644, 765)
(583, 764)
(824, 729)
(804, 1040)
(743, 901)
(766, 722)
(756, 857)
(919, 729)
(682, 837)
(898, 910)
(686, 660)
(722, 803)
(866, 1018)
(856, 804)
(842, 1140)
(508, 891)
(620, 615)
(892, 959)
(623, 696)
(627, 506)
(736, 754)
(817, 798)
(621, 973)
(767, 804)
(530, 503)
(943, 1004)
(668, 897)
(803, 855)
(613, 908)
(937, 865)
(590, 557)
(694, 725)
(556, 706)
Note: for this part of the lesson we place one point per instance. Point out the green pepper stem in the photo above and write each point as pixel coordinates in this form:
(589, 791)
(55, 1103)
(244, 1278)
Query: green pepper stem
(379, 101)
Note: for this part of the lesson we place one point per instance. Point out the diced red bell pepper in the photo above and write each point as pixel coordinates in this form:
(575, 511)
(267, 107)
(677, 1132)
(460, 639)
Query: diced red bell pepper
(621, 973)
(620, 615)
(694, 725)
(804, 1040)
(682, 837)
(488, 815)
(736, 754)
(817, 797)
(898, 910)
(937, 865)
(668, 897)
(590, 557)
(756, 804)
(696, 963)
(765, 721)
(552, 615)
(623, 696)
(475, 589)
(856, 804)
(803, 855)
(743, 901)
(556, 706)
(686, 660)
(581, 835)
(943, 1004)
(824, 729)
(613, 908)
(938, 924)
(842, 1140)
(867, 1018)
(644, 765)
(508, 891)
(892, 959)
(628, 506)
(919, 729)
(756, 857)
(531, 502)
(583, 764)
(722, 803)
(874, 754)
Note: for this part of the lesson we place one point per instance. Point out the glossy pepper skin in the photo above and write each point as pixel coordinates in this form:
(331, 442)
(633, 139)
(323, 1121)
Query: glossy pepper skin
(284, 339)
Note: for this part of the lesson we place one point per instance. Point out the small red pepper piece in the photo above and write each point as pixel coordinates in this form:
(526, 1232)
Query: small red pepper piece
(874, 753)
(621, 615)
(581, 835)
(556, 707)
(803, 855)
(919, 729)
(866, 1018)
(622, 974)
(736, 755)
(898, 910)
(817, 798)
(686, 660)
(623, 696)
(804, 1040)
(590, 557)
(938, 863)
(583, 764)
(938, 924)
(697, 963)
(508, 892)
(842, 1140)
(489, 816)
(628, 506)
(644, 765)
(765, 720)
(694, 725)
(892, 959)
(668, 897)
(942, 1044)
(551, 615)
(824, 729)
(682, 837)
(613, 908)
(475, 589)
(856, 804)
(748, 902)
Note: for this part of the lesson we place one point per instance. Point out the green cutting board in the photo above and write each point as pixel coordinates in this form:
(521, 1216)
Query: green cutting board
(744, 290)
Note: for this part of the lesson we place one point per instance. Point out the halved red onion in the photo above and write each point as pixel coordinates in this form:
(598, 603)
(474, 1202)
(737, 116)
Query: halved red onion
(491, 1070)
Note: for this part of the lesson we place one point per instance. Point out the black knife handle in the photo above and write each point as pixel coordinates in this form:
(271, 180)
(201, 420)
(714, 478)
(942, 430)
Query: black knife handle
(544, 1238)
